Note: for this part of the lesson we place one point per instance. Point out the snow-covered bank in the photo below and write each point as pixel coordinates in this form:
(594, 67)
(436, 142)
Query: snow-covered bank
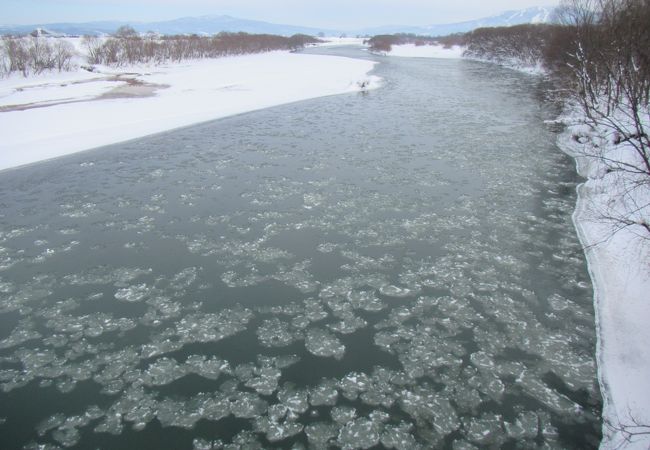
(514, 64)
(458, 52)
(620, 270)
(339, 41)
(426, 51)
(51, 116)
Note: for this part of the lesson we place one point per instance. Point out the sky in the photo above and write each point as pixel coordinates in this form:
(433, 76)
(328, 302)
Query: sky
(337, 14)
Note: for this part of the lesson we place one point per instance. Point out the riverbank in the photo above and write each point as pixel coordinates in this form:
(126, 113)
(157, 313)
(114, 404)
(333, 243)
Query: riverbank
(427, 51)
(618, 265)
(458, 52)
(54, 115)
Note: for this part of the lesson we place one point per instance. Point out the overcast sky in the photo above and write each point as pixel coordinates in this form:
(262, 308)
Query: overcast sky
(336, 14)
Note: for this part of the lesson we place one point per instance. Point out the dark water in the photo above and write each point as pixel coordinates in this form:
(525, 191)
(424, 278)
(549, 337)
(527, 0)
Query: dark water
(390, 269)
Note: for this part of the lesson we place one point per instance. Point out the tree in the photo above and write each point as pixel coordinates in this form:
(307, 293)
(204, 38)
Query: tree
(611, 75)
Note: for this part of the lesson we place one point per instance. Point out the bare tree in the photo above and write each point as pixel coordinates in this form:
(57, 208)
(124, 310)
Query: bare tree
(93, 46)
(610, 71)
(63, 54)
(17, 54)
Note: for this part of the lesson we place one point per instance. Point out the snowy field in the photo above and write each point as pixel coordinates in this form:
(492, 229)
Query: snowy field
(618, 264)
(457, 52)
(426, 51)
(49, 116)
(339, 41)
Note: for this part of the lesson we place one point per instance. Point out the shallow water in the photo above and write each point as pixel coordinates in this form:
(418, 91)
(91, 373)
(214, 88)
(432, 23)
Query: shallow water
(392, 269)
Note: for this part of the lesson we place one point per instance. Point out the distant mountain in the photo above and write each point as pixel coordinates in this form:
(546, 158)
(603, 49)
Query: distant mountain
(187, 25)
(214, 24)
(70, 29)
(537, 14)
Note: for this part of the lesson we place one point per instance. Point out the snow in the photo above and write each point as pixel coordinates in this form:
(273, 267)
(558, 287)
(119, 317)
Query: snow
(457, 52)
(427, 51)
(618, 264)
(70, 118)
(339, 41)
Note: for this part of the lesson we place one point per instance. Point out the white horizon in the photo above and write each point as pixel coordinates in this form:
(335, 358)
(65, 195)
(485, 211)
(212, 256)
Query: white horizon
(334, 14)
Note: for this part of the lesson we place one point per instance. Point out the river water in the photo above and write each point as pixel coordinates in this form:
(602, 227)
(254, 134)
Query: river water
(394, 269)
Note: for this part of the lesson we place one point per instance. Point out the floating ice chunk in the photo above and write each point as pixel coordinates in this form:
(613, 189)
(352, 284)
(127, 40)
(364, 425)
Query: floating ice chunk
(133, 293)
(20, 335)
(184, 278)
(265, 381)
(399, 437)
(349, 323)
(111, 424)
(50, 423)
(296, 400)
(390, 290)
(212, 327)
(245, 372)
(386, 339)
(486, 430)
(209, 368)
(526, 426)
(556, 401)
(314, 310)
(233, 279)
(244, 440)
(312, 200)
(426, 404)
(276, 333)
(277, 428)
(173, 413)
(549, 431)
(160, 347)
(492, 386)
(359, 433)
(321, 434)
(353, 384)
(321, 342)
(66, 385)
(463, 445)
(245, 405)
(326, 393)
(559, 303)
(67, 436)
(204, 444)
(343, 414)
(327, 247)
(482, 361)
(163, 371)
(467, 398)
(281, 362)
(365, 300)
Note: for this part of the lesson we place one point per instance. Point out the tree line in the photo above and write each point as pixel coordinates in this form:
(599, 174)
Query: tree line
(385, 42)
(30, 55)
(34, 55)
(127, 47)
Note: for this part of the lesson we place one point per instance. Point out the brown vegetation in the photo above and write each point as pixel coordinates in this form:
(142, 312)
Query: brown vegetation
(128, 47)
(523, 44)
(385, 42)
(33, 55)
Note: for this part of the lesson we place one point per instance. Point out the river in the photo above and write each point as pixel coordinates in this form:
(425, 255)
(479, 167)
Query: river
(391, 269)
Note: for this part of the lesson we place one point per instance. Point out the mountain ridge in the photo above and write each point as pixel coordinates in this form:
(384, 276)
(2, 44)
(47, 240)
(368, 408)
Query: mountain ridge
(215, 23)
